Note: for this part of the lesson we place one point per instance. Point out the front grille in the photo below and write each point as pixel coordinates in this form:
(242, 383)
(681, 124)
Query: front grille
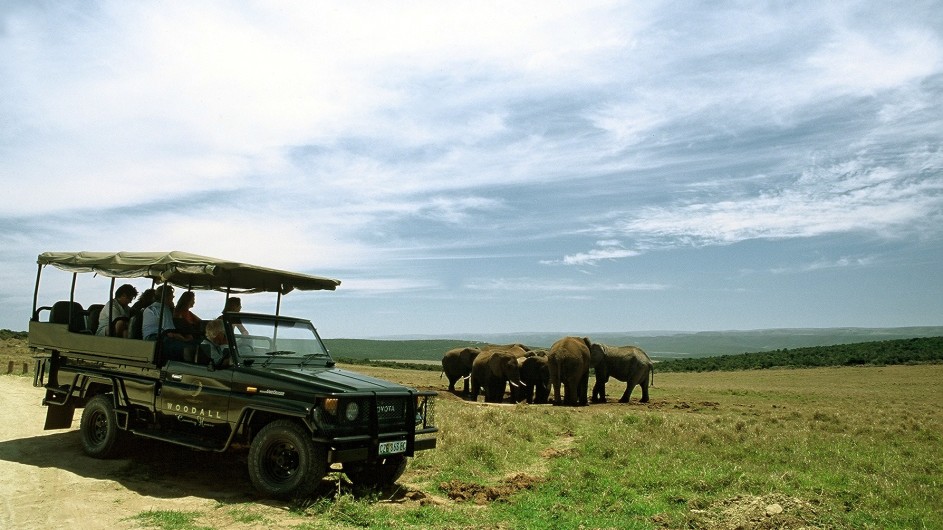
(380, 414)
(391, 411)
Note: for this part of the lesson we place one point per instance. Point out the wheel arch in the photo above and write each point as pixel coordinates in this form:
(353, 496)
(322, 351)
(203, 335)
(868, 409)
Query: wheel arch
(253, 420)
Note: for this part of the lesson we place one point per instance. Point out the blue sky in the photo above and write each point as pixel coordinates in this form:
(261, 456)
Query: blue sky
(490, 167)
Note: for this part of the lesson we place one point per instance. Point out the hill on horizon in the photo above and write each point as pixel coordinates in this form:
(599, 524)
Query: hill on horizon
(658, 344)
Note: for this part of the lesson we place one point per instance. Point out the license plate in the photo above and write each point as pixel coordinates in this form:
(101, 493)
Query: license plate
(390, 448)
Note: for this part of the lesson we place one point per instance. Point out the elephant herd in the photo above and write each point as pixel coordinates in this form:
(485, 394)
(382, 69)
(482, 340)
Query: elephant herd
(531, 373)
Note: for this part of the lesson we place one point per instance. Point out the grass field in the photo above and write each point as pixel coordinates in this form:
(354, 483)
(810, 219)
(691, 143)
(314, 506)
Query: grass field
(850, 447)
(820, 448)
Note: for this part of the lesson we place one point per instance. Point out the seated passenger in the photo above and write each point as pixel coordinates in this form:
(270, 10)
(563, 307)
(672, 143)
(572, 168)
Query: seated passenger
(137, 310)
(157, 318)
(146, 299)
(184, 319)
(216, 344)
(234, 305)
(114, 317)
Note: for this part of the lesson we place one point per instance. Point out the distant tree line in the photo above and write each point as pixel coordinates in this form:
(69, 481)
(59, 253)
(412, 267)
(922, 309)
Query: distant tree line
(391, 364)
(882, 353)
(7, 334)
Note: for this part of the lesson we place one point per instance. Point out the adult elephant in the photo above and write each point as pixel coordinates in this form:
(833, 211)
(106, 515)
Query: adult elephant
(457, 365)
(625, 363)
(535, 374)
(492, 370)
(570, 359)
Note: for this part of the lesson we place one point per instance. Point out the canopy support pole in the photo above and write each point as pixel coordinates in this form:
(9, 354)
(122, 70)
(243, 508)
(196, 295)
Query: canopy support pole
(39, 273)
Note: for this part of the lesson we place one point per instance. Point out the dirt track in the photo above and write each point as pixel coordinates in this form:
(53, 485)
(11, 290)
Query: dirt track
(49, 483)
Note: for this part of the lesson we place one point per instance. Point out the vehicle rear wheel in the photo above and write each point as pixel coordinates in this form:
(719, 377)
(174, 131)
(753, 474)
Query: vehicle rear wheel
(98, 429)
(376, 474)
(283, 461)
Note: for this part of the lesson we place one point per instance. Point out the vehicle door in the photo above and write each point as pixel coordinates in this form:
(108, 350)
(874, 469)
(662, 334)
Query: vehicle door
(195, 392)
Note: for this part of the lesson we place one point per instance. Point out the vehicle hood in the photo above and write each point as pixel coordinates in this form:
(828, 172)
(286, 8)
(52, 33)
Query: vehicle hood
(304, 380)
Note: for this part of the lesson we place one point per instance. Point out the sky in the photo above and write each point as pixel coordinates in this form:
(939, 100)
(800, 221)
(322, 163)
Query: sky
(488, 167)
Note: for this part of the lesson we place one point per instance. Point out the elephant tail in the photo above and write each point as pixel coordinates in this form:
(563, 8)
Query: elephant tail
(651, 374)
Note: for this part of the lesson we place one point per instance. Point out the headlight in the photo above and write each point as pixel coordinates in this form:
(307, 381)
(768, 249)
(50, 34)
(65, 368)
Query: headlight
(353, 410)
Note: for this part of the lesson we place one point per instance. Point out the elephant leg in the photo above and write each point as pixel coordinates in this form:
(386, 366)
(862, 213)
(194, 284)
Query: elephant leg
(645, 392)
(599, 391)
(583, 389)
(495, 392)
(474, 389)
(628, 393)
(518, 394)
(571, 391)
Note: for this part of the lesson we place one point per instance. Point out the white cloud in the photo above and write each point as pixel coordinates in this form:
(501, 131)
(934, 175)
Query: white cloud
(846, 198)
(861, 63)
(596, 255)
(377, 286)
(551, 286)
(839, 263)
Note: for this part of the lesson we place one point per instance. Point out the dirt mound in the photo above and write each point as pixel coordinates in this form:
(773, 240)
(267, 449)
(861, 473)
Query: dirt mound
(464, 491)
(697, 406)
(749, 512)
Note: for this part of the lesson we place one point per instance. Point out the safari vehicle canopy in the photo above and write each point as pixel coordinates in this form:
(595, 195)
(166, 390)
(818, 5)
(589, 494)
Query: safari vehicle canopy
(187, 271)
(181, 269)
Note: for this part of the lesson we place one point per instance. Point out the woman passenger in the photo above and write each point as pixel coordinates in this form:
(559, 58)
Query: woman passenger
(184, 319)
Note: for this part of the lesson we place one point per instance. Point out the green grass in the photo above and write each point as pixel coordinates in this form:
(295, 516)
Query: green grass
(835, 448)
(850, 447)
(169, 520)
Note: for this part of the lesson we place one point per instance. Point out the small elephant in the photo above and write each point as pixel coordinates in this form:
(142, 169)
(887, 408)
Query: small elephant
(491, 370)
(625, 363)
(457, 365)
(570, 359)
(535, 374)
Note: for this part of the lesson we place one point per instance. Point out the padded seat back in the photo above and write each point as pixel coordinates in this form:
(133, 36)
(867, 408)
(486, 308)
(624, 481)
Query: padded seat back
(134, 327)
(94, 317)
(71, 313)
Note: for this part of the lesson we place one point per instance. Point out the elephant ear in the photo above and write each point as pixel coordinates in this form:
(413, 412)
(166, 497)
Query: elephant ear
(588, 343)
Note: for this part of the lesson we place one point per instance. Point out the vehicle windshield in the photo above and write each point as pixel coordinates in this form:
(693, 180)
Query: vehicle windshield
(276, 340)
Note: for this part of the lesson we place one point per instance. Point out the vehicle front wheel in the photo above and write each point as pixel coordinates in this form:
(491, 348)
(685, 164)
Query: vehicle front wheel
(283, 461)
(98, 429)
(376, 474)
